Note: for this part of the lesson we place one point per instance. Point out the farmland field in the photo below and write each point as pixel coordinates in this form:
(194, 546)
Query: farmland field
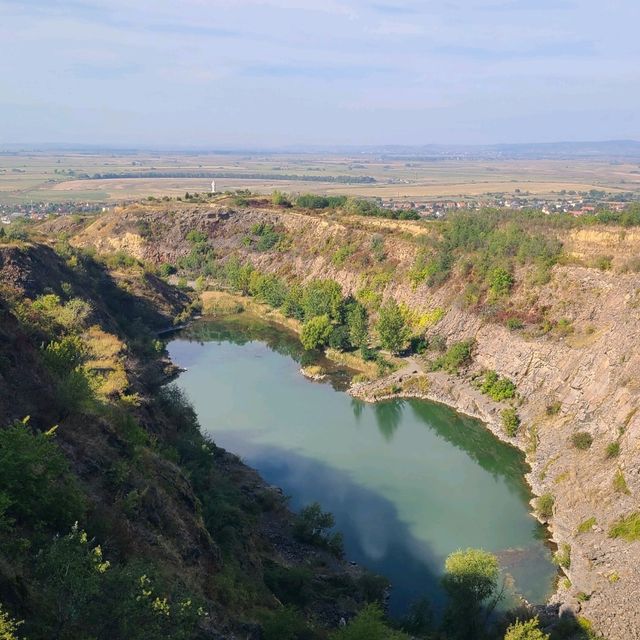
(113, 177)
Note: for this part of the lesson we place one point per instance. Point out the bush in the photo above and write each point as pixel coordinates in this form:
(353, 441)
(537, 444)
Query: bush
(582, 440)
(369, 624)
(562, 557)
(613, 450)
(500, 282)
(544, 505)
(8, 626)
(497, 387)
(339, 338)
(513, 324)
(529, 630)
(36, 486)
(316, 332)
(457, 356)
(322, 297)
(283, 624)
(312, 526)
(510, 421)
(280, 199)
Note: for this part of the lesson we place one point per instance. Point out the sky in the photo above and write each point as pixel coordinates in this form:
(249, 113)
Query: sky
(272, 73)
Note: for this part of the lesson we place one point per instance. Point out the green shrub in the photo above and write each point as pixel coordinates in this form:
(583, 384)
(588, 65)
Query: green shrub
(582, 440)
(316, 332)
(562, 557)
(342, 254)
(322, 297)
(627, 528)
(36, 485)
(497, 387)
(529, 630)
(291, 585)
(613, 449)
(510, 421)
(513, 324)
(280, 199)
(369, 624)
(196, 237)
(544, 505)
(619, 483)
(500, 282)
(166, 269)
(283, 624)
(312, 526)
(8, 626)
(456, 357)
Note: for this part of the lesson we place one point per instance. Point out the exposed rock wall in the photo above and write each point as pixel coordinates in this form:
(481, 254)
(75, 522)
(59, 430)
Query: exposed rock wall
(584, 378)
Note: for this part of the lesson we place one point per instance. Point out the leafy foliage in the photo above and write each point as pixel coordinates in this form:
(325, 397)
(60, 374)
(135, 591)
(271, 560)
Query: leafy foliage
(529, 630)
(36, 486)
(510, 421)
(471, 582)
(312, 525)
(369, 624)
(391, 327)
(316, 332)
(497, 387)
(457, 356)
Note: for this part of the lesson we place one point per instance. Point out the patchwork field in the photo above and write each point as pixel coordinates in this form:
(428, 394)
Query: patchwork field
(26, 177)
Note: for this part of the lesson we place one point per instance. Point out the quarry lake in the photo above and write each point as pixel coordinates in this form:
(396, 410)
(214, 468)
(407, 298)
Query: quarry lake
(408, 481)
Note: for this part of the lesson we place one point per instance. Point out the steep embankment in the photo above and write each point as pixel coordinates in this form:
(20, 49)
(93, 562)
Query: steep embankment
(573, 356)
(182, 539)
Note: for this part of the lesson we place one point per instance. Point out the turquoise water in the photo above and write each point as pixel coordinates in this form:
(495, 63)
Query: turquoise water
(407, 481)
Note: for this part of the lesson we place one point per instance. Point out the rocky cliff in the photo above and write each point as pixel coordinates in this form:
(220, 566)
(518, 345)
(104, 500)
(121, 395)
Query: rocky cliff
(573, 357)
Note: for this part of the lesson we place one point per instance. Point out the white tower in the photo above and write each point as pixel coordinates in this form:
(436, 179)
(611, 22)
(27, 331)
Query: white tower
(213, 186)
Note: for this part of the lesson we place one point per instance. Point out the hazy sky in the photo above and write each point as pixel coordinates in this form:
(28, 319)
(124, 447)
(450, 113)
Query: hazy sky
(224, 73)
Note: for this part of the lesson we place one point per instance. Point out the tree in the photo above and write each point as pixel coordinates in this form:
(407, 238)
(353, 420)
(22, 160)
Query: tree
(37, 486)
(391, 327)
(313, 526)
(316, 332)
(322, 297)
(368, 625)
(8, 626)
(529, 630)
(471, 582)
(500, 282)
(358, 325)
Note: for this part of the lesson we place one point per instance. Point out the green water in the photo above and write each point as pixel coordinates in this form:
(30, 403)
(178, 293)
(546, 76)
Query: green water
(408, 481)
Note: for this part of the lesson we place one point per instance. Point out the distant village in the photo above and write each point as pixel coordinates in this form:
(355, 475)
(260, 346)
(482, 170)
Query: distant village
(42, 210)
(572, 202)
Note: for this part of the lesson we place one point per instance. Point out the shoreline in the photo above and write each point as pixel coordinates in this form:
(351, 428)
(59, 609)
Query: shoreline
(362, 391)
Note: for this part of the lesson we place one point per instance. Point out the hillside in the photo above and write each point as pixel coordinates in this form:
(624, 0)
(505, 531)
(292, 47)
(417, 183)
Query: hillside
(551, 306)
(118, 519)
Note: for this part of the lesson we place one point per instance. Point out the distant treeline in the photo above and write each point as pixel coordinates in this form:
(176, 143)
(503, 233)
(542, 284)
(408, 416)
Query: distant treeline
(240, 176)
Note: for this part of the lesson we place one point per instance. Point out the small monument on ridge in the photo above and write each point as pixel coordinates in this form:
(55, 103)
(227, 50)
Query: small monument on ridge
(213, 186)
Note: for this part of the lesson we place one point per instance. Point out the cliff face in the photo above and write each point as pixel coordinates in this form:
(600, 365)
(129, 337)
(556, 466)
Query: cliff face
(578, 375)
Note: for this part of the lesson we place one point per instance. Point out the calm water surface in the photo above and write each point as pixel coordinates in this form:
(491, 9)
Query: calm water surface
(407, 481)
